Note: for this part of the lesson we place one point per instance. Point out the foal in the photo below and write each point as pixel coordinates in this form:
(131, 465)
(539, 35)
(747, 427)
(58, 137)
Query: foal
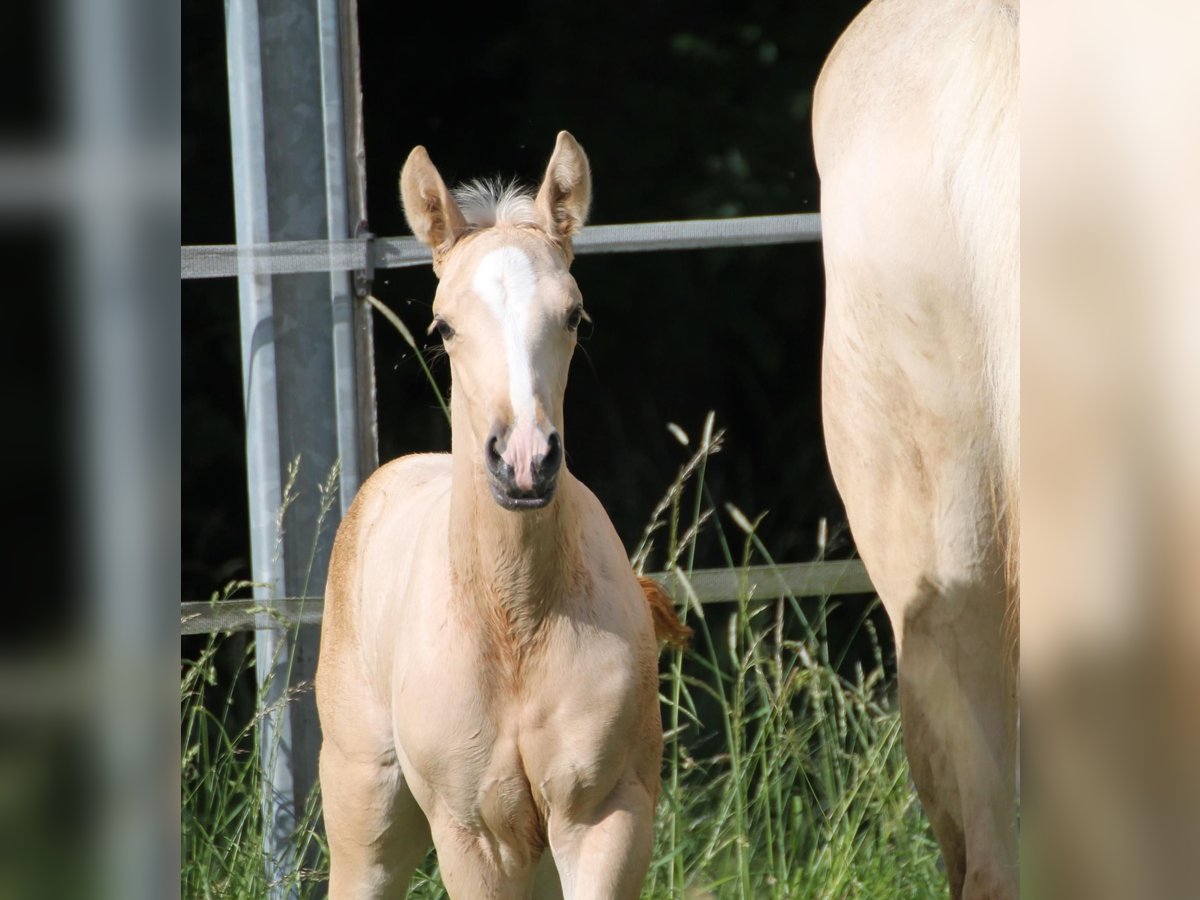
(488, 672)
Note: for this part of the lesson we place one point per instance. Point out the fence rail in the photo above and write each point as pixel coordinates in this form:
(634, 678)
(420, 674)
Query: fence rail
(367, 253)
(703, 585)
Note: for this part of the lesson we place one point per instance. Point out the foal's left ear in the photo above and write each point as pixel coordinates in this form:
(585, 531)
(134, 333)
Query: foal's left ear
(566, 191)
(432, 214)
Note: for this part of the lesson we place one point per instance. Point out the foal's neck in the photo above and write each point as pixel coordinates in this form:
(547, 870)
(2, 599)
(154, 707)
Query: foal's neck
(519, 562)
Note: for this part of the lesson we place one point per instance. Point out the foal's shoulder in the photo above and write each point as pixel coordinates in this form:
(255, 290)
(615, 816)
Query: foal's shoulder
(593, 515)
(421, 479)
(412, 472)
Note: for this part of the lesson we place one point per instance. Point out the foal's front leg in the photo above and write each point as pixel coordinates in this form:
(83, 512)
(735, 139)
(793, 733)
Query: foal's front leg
(605, 852)
(473, 863)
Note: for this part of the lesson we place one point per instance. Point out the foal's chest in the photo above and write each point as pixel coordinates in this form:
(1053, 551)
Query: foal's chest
(497, 750)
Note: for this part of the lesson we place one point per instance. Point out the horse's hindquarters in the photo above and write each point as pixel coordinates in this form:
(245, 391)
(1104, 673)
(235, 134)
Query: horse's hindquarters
(910, 455)
(910, 426)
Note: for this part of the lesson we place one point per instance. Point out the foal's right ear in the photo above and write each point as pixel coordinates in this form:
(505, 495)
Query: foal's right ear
(566, 192)
(432, 214)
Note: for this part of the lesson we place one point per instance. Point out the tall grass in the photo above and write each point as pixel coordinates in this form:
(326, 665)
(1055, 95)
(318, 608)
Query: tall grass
(221, 776)
(783, 773)
(783, 777)
(222, 810)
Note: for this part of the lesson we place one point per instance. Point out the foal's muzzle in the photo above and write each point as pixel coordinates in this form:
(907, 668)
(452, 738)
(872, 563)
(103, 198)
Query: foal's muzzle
(522, 466)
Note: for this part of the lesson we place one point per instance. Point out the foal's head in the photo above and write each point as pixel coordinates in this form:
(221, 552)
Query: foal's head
(508, 311)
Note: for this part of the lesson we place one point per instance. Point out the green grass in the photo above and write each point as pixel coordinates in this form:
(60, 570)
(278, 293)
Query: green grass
(783, 776)
(221, 779)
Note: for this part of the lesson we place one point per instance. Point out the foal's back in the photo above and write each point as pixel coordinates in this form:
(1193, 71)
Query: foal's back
(390, 550)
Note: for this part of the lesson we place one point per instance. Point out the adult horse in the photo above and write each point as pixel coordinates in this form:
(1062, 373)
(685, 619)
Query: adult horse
(916, 134)
(488, 674)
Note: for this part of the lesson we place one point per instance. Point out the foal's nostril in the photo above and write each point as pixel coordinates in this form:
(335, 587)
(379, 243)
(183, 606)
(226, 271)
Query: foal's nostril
(550, 462)
(492, 453)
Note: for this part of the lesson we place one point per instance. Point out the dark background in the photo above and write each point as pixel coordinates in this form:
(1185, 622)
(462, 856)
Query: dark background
(686, 110)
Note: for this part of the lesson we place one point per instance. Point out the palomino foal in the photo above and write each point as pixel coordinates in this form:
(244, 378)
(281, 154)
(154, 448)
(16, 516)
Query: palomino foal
(915, 127)
(488, 673)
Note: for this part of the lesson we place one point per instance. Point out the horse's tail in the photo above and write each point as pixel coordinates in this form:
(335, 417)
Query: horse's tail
(978, 143)
(667, 626)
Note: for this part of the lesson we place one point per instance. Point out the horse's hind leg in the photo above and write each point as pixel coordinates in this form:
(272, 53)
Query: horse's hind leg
(377, 833)
(921, 508)
(957, 705)
(958, 710)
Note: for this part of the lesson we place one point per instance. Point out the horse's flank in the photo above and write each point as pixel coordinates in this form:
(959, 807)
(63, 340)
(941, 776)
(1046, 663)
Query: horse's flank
(974, 141)
(977, 147)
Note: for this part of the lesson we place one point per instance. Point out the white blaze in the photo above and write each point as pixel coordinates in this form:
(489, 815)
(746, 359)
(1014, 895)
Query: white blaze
(504, 280)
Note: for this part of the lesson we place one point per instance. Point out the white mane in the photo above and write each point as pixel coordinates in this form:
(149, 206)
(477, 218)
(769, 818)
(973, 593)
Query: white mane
(492, 201)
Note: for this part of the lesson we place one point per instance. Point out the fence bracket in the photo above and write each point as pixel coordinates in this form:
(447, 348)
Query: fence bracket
(365, 277)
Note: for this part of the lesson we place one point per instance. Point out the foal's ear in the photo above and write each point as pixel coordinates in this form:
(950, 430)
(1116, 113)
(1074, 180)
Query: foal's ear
(566, 191)
(432, 214)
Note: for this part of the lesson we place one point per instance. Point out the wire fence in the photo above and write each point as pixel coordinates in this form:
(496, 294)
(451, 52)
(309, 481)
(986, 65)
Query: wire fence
(368, 253)
(757, 583)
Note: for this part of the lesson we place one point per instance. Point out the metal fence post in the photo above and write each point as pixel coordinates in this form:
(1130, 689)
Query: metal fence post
(361, 313)
(300, 366)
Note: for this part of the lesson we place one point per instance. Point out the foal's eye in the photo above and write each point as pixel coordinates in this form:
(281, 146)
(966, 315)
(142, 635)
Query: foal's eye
(443, 328)
(574, 317)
